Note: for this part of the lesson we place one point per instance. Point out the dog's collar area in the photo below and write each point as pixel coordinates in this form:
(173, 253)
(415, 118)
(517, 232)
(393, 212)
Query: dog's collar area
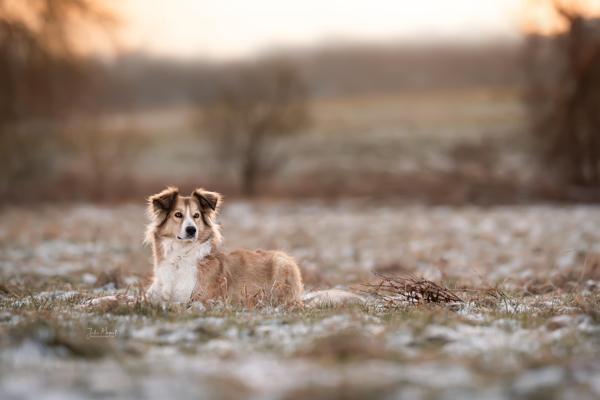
(175, 251)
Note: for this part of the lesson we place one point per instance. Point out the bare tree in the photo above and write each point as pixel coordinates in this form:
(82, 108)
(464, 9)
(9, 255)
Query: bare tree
(250, 111)
(42, 78)
(564, 97)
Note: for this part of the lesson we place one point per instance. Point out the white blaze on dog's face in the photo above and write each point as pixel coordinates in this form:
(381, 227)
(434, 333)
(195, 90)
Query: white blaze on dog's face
(185, 215)
(185, 218)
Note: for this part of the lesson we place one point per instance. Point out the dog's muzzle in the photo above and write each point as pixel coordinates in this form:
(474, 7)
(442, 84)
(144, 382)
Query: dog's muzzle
(190, 233)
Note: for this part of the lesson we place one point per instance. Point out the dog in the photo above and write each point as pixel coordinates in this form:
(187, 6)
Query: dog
(190, 266)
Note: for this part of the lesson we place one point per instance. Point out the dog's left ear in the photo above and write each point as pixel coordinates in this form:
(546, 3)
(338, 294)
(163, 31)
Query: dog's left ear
(209, 201)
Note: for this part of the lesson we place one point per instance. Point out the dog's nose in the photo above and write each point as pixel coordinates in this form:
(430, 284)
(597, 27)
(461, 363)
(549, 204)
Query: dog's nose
(190, 230)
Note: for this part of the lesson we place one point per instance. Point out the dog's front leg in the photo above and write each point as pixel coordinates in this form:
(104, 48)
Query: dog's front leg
(154, 294)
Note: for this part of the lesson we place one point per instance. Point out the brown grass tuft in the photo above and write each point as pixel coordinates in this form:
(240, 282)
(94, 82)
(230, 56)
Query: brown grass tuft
(348, 345)
(399, 290)
(572, 279)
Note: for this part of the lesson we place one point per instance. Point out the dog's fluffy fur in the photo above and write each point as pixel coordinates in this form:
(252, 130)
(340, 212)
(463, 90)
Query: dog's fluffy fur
(189, 265)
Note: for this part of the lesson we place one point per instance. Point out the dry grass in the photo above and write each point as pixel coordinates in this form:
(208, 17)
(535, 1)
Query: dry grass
(457, 321)
(62, 340)
(396, 291)
(346, 346)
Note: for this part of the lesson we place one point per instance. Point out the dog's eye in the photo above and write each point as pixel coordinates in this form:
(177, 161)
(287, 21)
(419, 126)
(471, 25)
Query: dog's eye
(178, 215)
(197, 215)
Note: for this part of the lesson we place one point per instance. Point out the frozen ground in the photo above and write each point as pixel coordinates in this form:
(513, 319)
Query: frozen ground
(529, 326)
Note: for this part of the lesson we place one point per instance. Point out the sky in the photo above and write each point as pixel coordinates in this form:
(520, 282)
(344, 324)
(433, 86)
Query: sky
(228, 29)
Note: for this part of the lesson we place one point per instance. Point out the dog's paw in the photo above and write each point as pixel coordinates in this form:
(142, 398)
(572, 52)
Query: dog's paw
(154, 295)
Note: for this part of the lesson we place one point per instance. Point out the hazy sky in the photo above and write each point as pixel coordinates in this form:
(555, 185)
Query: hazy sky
(228, 28)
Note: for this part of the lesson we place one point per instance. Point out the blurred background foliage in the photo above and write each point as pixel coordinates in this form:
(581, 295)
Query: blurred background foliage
(563, 95)
(495, 121)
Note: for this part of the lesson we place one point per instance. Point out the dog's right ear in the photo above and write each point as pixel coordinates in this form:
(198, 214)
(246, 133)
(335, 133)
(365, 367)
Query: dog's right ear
(162, 202)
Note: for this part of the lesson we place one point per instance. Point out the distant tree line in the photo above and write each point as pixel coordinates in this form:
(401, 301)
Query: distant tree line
(135, 81)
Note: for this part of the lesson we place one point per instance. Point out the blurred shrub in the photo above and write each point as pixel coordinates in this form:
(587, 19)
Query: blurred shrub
(100, 156)
(42, 82)
(252, 108)
(27, 158)
(563, 95)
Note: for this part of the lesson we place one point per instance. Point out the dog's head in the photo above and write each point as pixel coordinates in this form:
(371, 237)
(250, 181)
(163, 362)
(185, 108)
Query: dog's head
(184, 218)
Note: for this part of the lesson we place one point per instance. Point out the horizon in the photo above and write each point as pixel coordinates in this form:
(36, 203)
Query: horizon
(187, 29)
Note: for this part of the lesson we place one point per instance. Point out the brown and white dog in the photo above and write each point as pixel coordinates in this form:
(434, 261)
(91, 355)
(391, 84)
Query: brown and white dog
(189, 265)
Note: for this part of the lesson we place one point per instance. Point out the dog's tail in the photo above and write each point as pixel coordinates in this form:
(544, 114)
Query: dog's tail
(331, 298)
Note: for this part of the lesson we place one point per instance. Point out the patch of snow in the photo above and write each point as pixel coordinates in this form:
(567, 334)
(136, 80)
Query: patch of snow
(88, 278)
(131, 280)
(438, 375)
(470, 312)
(539, 379)
(58, 295)
(464, 339)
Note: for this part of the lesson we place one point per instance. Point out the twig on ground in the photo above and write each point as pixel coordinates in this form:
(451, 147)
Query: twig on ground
(396, 290)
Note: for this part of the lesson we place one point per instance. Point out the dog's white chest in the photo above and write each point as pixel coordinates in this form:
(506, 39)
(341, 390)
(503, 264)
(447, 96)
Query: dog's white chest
(177, 275)
(177, 280)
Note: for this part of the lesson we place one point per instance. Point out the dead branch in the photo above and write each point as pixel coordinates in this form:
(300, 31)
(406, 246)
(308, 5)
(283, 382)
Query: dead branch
(399, 290)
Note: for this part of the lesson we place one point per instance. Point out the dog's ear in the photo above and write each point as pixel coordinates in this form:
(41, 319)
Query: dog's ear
(209, 201)
(163, 202)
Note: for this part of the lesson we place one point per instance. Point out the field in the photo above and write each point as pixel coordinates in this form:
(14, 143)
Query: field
(528, 325)
(438, 146)
(446, 179)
